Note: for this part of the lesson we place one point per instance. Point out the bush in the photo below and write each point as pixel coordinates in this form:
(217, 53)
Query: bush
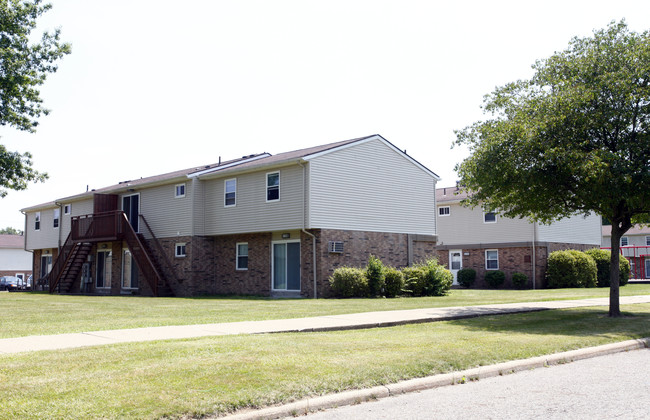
(519, 280)
(602, 258)
(494, 279)
(571, 269)
(427, 279)
(375, 275)
(349, 282)
(466, 277)
(393, 282)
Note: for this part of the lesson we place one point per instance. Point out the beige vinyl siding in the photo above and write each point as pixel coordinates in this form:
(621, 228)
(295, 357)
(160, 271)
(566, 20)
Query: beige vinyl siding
(78, 208)
(47, 236)
(632, 240)
(167, 215)
(573, 230)
(252, 213)
(465, 226)
(198, 198)
(371, 187)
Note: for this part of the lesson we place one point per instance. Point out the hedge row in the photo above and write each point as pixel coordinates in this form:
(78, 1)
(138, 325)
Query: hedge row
(425, 279)
(494, 279)
(574, 268)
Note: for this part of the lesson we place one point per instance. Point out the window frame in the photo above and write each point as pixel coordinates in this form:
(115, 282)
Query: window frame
(485, 213)
(67, 209)
(239, 267)
(441, 214)
(627, 241)
(134, 276)
(107, 269)
(180, 246)
(37, 220)
(490, 259)
(178, 187)
(274, 187)
(56, 218)
(647, 241)
(226, 192)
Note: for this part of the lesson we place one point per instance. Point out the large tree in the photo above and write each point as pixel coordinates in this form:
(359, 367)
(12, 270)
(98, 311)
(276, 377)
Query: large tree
(24, 66)
(573, 139)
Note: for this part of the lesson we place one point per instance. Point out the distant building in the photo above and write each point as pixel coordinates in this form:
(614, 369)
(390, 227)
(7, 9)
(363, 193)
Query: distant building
(14, 260)
(635, 246)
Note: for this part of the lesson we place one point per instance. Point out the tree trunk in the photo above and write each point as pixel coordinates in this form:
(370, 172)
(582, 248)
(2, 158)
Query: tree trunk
(614, 306)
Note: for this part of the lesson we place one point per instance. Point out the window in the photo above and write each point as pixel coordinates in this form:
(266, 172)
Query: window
(230, 192)
(180, 191)
(37, 221)
(443, 211)
(489, 217)
(180, 250)
(624, 241)
(242, 256)
(273, 186)
(104, 263)
(57, 216)
(491, 259)
(67, 209)
(647, 240)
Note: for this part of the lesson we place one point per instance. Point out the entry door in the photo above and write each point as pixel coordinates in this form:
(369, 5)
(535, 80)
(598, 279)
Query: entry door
(647, 268)
(455, 262)
(286, 266)
(131, 207)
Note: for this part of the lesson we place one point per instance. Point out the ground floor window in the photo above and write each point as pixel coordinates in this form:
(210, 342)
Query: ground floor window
(242, 256)
(129, 271)
(491, 259)
(180, 250)
(104, 263)
(286, 266)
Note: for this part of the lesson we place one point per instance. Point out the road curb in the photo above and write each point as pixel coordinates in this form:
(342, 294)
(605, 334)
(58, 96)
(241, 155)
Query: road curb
(419, 384)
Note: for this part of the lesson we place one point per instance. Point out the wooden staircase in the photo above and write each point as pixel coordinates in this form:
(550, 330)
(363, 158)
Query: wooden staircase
(71, 273)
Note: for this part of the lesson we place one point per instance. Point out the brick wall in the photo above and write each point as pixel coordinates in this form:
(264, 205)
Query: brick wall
(254, 281)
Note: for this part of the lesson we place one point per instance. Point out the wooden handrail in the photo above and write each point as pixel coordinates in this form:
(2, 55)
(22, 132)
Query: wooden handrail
(140, 254)
(54, 276)
(160, 249)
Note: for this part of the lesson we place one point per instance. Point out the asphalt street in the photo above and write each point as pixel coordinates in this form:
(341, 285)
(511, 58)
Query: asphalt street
(615, 386)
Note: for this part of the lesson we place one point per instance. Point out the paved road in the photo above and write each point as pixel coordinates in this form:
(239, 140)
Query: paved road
(616, 386)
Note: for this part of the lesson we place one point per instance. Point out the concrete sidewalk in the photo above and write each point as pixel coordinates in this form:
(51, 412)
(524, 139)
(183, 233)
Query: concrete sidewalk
(321, 323)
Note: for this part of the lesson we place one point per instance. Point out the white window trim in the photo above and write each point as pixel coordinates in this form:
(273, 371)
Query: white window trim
(266, 191)
(67, 209)
(237, 267)
(56, 218)
(37, 219)
(104, 251)
(448, 211)
(627, 241)
(225, 192)
(647, 240)
(176, 248)
(495, 217)
(176, 194)
(486, 259)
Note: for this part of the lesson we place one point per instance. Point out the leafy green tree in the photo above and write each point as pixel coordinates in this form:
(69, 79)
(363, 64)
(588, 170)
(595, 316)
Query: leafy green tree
(23, 68)
(10, 231)
(573, 139)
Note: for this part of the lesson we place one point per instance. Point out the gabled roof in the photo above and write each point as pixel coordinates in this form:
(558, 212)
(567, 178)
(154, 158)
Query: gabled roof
(450, 195)
(243, 164)
(12, 241)
(634, 230)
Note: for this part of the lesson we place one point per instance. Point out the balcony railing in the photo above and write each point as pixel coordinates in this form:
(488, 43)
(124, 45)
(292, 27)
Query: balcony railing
(97, 227)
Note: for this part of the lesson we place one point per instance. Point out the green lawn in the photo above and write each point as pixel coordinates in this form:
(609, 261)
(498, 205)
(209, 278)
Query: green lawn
(38, 313)
(214, 375)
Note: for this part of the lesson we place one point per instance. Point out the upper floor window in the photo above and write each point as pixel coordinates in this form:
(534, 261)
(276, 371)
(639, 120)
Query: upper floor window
(180, 191)
(242, 256)
(489, 217)
(67, 209)
(57, 216)
(273, 186)
(492, 259)
(647, 240)
(180, 250)
(230, 192)
(37, 221)
(624, 241)
(443, 211)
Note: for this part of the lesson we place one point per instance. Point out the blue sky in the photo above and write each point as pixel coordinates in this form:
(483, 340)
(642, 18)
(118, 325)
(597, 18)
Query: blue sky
(155, 86)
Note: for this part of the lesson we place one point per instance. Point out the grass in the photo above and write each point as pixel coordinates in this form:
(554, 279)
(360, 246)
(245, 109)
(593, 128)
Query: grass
(40, 313)
(215, 375)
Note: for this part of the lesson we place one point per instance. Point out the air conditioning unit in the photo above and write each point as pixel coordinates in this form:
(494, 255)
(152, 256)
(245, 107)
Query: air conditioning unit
(335, 247)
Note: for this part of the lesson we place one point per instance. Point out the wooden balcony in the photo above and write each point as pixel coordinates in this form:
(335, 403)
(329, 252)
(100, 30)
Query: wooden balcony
(98, 227)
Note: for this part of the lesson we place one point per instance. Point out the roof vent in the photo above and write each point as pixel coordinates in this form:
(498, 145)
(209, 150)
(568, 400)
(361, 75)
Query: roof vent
(335, 247)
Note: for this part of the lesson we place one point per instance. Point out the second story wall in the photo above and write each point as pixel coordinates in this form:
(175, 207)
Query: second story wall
(45, 235)
(572, 230)
(167, 213)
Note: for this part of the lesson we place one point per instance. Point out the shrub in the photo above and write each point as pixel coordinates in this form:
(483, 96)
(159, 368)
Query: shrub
(570, 269)
(393, 282)
(466, 277)
(519, 280)
(602, 258)
(495, 278)
(428, 279)
(375, 275)
(349, 282)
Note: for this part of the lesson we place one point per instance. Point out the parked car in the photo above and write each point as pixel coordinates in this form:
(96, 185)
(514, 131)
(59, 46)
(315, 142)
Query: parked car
(11, 283)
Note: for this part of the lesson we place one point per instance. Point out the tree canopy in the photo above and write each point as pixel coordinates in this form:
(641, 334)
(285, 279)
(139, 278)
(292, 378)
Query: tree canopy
(575, 138)
(24, 66)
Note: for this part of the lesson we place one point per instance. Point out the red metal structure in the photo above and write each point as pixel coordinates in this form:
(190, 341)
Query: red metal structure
(639, 258)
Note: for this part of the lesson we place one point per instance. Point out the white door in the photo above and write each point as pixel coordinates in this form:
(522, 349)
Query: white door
(647, 268)
(455, 262)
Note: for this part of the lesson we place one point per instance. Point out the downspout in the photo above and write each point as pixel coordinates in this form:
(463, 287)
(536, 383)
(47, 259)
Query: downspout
(533, 259)
(304, 216)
